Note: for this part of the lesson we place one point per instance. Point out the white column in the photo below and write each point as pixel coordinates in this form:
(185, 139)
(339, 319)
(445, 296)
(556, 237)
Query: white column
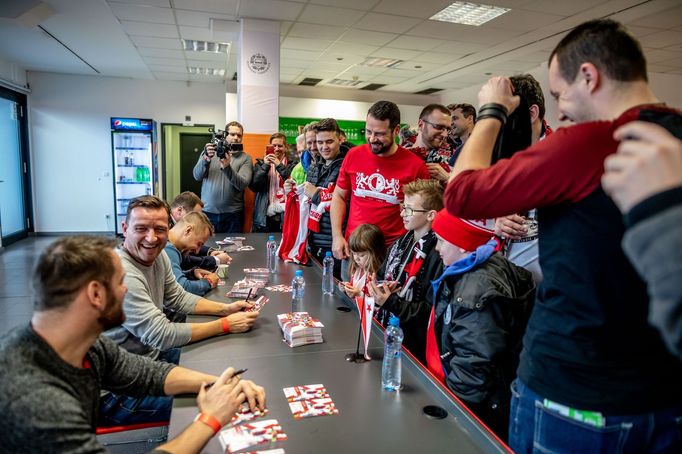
(258, 76)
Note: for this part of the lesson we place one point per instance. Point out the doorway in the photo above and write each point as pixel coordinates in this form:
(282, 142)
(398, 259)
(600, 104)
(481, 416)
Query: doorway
(180, 150)
(191, 147)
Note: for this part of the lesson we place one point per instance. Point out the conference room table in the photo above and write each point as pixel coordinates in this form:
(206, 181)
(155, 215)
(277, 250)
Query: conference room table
(370, 419)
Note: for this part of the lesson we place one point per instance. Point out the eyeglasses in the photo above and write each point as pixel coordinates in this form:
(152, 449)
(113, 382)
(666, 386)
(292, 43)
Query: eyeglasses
(410, 211)
(438, 127)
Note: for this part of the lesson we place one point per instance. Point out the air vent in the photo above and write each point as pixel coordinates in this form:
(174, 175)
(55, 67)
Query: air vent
(310, 81)
(206, 71)
(205, 46)
(379, 62)
(373, 86)
(428, 91)
(345, 82)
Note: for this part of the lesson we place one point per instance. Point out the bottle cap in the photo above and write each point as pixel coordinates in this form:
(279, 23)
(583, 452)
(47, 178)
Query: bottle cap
(271, 238)
(328, 254)
(299, 272)
(394, 321)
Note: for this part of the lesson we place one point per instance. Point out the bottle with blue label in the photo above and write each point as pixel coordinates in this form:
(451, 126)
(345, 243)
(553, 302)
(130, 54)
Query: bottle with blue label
(391, 366)
(328, 274)
(271, 249)
(297, 292)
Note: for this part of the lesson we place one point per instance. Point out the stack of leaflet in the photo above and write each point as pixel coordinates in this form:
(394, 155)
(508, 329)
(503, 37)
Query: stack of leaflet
(299, 328)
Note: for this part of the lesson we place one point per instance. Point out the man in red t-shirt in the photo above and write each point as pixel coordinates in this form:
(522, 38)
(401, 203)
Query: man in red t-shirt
(372, 178)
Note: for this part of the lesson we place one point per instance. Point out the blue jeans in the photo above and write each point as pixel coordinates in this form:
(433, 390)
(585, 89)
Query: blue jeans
(118, 409)
(536, 429)
(226, 222)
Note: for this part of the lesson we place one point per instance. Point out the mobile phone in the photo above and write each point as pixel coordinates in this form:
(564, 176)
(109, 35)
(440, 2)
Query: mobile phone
(269, 149)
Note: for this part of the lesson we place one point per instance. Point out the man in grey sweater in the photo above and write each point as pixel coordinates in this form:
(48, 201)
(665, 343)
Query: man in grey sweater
(153, 297)
(52, 371)
(223, 182)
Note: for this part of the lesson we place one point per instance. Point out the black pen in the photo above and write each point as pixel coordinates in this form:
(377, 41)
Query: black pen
(237, 372)
(249, 295)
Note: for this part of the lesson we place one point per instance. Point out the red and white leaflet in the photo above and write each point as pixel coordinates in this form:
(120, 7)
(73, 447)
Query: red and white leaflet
(305, 392)
(313, 407)
(236, 438)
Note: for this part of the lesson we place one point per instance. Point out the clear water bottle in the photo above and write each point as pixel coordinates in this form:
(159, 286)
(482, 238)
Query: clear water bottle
(393, 344)
(271, 248)
(297, 292)
(328, 274)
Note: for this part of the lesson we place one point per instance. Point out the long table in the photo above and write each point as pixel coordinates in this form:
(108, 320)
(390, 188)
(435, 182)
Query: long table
(370, 419)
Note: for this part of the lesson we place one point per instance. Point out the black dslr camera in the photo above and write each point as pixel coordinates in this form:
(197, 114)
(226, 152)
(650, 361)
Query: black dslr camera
(222, 146)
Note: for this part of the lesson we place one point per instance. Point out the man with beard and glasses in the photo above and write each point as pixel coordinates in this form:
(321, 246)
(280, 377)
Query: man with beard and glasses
(155, 308)
(431, 143)
(54, 368)
(371, 180)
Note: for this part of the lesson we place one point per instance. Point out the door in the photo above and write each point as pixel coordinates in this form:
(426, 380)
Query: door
(191, 146)
(13, 168)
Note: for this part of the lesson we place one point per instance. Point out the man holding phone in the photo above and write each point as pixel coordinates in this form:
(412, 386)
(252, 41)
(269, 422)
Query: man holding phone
(269, 175)
(223, 180)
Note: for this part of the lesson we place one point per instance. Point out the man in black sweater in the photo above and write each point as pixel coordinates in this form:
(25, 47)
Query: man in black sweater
(52, 371)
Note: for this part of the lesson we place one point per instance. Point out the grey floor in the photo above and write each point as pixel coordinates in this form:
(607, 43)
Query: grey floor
(16, 280)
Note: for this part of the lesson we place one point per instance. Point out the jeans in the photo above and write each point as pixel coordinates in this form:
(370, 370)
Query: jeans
(118, 409)
(536, 429)
(226, 222)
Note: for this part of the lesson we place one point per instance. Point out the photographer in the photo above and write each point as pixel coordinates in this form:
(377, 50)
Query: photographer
(224, 176)
(269, 175)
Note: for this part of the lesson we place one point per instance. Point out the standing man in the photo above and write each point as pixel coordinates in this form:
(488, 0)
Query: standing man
(52, 371)
(593, 373)
(269, 175)
(431, 144)
(371, 180)
(463, 120)
(223, 182)
(153, 292)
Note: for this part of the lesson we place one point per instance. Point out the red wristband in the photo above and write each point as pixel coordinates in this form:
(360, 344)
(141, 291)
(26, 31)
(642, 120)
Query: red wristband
(210, 421)
(226, 325)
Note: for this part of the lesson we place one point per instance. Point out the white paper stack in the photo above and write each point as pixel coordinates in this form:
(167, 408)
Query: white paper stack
(299, 328)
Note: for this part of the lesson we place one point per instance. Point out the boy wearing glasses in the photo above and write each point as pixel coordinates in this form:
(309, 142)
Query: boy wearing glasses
(410, 265)
(431, 144)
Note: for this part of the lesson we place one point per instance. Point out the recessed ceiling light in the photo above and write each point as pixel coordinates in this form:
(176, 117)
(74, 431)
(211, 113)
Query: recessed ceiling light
(469, 13)
(206, 71)
(345, 82)
(381, 62)
(205, 46)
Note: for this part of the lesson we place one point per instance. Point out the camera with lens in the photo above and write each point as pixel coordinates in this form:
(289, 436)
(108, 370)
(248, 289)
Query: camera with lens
(222, 146)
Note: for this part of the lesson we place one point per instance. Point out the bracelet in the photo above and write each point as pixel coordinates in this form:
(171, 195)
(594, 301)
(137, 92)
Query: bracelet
(210, 421)
(493, 110)
(226, 325)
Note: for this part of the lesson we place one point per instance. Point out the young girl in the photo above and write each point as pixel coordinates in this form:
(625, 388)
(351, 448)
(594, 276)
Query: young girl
(368, 250)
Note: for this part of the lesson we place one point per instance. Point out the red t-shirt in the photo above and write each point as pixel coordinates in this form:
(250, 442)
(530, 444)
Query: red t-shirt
(376, 186)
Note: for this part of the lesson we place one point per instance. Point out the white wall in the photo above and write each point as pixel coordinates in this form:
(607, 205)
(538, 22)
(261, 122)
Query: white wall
(71, 142)
(12, 74)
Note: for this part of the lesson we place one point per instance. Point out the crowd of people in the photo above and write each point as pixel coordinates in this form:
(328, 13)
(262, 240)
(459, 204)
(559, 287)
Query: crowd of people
(535, 272)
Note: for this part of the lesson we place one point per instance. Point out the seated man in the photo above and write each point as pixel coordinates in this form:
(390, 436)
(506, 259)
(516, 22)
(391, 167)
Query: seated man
(153, 290)
(187, 236)
(269, 175)
(411, 264)
(206, 258)
(54, 368)
(481, 306)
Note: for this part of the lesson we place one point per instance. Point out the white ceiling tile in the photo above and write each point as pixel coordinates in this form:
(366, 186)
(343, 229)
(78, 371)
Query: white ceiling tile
(160, 75)
(400, 54)
(314, 31)
(356, 49)
(199, 18)
(660, 68)
(385, 79)
(660, 55)
(317, 14)
(460, 47)
(305, 44)
(160, 3)
(489, 35)
(420, 65)
(522, 21)
(333, 57)
(160, 43)
(424, 9)
(353, 4)
(388, 23)
(150, 29)
(638, 32)
(662, 39)
(675, 62)
(206, 57)
(441, 30)
(415, 43)
(162, 53)
(665, 19)
(270, 9)
(207, 64)
(168, 69)
(365, 71)
(289, 79)
(293, 63)
(436, 57)
(294, 54)
(560, 7)
(199, 33)
(284, 27)
(675, 71)
(209, 6)
(143, 13)
(165, 61)
(367, 37)
(284, 71)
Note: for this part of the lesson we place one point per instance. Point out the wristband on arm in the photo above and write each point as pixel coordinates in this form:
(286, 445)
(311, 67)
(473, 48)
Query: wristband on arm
(493, 110)
(210, 421)
(226, 325)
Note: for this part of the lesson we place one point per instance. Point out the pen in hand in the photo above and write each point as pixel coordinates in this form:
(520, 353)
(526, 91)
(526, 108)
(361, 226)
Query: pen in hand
(237, 372)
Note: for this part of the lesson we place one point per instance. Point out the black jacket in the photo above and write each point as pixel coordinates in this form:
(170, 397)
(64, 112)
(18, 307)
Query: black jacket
(260, 185)
(322, 175)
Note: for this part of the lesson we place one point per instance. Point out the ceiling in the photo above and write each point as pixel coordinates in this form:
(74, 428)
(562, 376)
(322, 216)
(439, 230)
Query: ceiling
(323, 39)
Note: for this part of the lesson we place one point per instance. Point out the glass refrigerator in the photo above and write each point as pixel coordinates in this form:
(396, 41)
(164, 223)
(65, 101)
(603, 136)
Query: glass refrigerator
(133, 142)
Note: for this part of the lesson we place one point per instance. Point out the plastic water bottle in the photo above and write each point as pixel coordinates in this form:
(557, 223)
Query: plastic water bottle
(328, 274)
(298, 291)
(271, 247)
(393, 344)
